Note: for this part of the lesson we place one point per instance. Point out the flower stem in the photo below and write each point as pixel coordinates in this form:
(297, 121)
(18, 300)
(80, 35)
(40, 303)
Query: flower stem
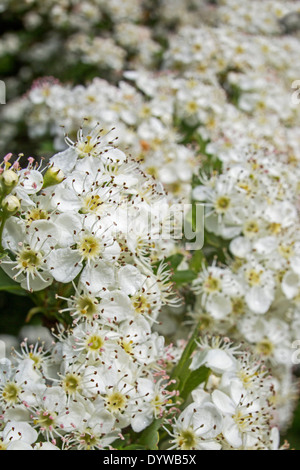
(2, 223)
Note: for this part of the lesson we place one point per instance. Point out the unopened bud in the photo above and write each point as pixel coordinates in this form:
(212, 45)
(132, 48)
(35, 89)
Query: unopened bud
(10, 204)
(53, 176)
(9, 180)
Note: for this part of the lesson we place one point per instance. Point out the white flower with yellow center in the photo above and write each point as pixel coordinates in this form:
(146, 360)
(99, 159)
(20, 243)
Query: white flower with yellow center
(91, 426)
(197, 428)
(31, 250)
(94, 341)
(259, 284)
(243, 415)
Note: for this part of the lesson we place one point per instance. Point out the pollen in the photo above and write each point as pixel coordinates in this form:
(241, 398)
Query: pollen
(116, 401)
(141, 304)
(95, 343)
(36, 214)
(85, 147)
(87, 440)
(187, 440)
(72, 383)
(265, 347)
(92, 204)
(10, 393)
(46, 419)
(253, 277)
(211, 284)
(89, 247)
(251, 228)
(127, 346)
(222, 204)
(87, 306)
(29, 260)
(286, 251)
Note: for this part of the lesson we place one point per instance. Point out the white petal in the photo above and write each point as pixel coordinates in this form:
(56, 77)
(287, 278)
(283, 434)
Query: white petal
(13, 233)
(66, 224)
(45, 446)
(44, 234)
(266, 245)
(130, 279)
(218, 305)
(19, 445)
(142, 420)
(65, 264)
(17, 430)
(259, 299)
(232, 433)
(116, 305)
(290, 284)
(97, 277)
(219, 361)
(32, 181)
(295, 264)
(36, 283)
(207, 421)
(223, 402)
(65, 199)
(240, 247)
(65, 160)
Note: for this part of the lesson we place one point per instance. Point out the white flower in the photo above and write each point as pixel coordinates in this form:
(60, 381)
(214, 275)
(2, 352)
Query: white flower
(197, 428)
(17, 435)
(32, 249)
(243, 416)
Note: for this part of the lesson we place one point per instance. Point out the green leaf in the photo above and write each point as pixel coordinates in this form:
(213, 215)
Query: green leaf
(197, 261)
(9, 285)
(181, 371)
(175, 260)
(134, 447)
(150, 437)
(184, 277)
(195, 378)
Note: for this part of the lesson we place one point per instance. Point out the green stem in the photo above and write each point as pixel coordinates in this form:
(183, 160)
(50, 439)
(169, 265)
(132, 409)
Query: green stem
(184, 361)
(3, 220)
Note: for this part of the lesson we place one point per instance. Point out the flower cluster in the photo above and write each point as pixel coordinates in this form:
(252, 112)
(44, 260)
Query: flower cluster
(235, 407)
(85, 222)
(177, 104)
(253, 204)
(95, 381)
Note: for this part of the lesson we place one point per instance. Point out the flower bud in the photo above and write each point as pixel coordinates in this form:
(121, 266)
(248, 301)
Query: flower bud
(10, 205)
(53, 176)
(9, 180)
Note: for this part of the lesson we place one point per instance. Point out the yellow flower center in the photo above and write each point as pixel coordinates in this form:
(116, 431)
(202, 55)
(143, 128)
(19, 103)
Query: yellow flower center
(253, 277)
(87, 306)
(10, 393)
(92, 203)
(89, 247)
(116, 401)
(265, 347)
(72, 383)
(29, 260)
(186, 440)
(211, 284)
(95, 342)
(222, 204)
